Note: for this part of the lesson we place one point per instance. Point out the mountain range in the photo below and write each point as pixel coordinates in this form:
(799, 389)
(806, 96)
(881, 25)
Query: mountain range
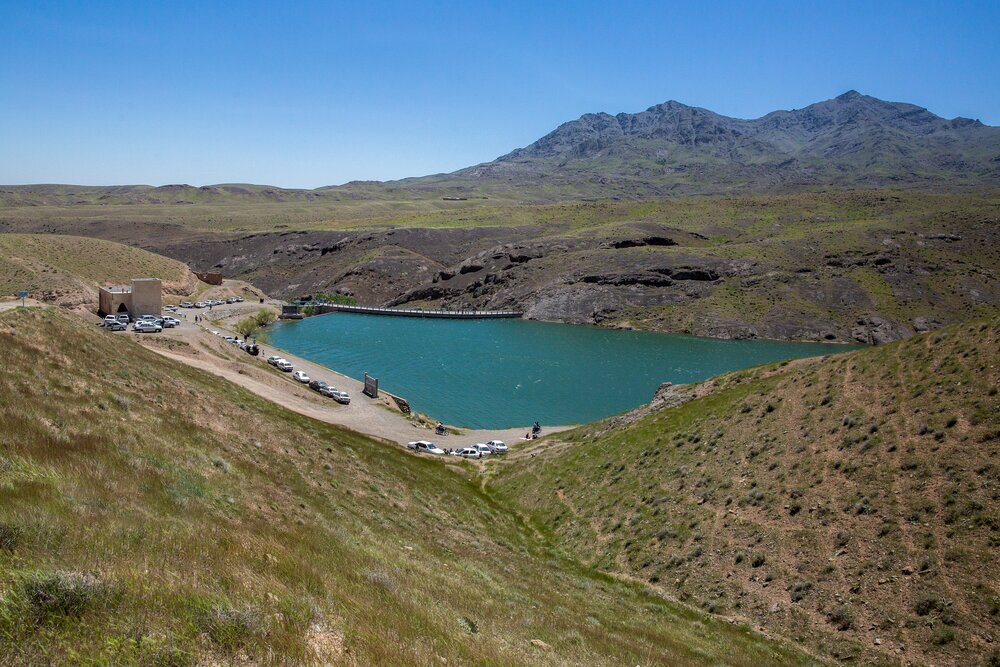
(851, 140)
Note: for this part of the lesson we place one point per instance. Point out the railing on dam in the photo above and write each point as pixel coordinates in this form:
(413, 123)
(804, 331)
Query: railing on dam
(417, 312)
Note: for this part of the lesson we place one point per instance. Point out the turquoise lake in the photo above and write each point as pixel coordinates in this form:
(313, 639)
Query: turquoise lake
(505, 373)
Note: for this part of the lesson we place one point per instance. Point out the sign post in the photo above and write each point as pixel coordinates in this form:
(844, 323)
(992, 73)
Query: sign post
(371, 386)
(22, 294)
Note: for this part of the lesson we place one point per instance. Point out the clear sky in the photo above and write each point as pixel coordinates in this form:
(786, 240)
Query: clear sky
(304, 94)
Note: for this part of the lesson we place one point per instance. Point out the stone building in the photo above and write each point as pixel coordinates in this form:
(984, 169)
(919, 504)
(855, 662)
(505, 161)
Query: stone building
(143, 297)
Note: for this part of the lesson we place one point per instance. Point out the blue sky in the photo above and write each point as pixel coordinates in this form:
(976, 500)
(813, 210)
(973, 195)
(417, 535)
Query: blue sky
(309, 94)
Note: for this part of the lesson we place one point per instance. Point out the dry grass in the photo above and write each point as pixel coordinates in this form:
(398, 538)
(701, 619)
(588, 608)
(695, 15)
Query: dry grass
(833, 501)
(153, 514)
(68, 269)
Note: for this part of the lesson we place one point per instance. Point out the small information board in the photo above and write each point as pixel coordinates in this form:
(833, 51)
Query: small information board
(371, 386)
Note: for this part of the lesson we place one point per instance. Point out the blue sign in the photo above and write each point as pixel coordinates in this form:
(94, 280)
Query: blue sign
(22, 293)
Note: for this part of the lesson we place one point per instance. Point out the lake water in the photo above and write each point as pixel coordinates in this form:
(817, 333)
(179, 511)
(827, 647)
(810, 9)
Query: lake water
(505, 373)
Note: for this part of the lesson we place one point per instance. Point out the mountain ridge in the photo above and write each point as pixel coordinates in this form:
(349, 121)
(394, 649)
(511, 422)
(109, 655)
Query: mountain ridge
(671, 148)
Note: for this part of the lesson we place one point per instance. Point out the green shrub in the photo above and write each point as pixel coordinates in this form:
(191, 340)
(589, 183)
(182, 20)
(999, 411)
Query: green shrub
(48, 596)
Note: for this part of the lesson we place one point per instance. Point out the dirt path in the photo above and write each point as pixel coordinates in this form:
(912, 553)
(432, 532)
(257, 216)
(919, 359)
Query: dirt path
(195, 345)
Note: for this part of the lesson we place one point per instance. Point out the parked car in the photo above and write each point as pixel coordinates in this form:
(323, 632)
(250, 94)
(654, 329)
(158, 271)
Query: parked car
(187, 304)
(200, 304)
(229, 339)
(109, 320)
(115, 325)
(301, 377)
(170, 322)
(482, 449)
(273, 359)
(239, 299)
(145, 326)
(467, 452)
(123, 318)
(252, 350)
(341, 397)
(424, 446)
(497, 446)
(231, 299)
(284, 365)
(317, 385)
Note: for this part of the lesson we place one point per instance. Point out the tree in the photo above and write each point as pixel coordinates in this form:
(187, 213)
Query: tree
(247, 327)
(264, 317)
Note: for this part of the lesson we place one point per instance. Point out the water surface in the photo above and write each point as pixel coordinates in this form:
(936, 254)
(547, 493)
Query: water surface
(504, 373)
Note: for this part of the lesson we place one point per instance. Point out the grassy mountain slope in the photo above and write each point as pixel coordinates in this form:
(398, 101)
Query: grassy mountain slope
(68, 269)
(152, 514)
(849, 503)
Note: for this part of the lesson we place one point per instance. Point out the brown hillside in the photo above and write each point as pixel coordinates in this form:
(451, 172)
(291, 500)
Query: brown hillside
(67, 270)
(849, 503)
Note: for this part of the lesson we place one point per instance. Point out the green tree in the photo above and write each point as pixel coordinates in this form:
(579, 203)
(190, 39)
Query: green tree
(264, 317)
(247, 327)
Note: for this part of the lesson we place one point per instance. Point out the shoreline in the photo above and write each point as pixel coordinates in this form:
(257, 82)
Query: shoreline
(374, 417)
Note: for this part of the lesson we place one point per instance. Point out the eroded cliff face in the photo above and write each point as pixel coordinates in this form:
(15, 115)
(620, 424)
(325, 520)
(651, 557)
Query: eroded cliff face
(646, 275)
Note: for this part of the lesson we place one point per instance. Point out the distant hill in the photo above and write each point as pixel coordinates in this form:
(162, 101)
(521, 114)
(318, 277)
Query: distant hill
(848, 503)
(67, 270)
(851, 140)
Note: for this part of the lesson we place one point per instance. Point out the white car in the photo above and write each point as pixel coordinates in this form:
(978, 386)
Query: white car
(497, 446)
(341, 397)
(145, 326)
(170, 322)
(424, 446)
(200, 304)
(187, 304)
(301, 377)
(467, 453)
(231, 299)
(273, 359)
(482, 449)
(284, 365)
(109, 320)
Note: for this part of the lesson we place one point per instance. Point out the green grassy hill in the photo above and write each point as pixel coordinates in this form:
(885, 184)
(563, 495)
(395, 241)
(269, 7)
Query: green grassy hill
(849, 503)
(153, 514)
(68, 269)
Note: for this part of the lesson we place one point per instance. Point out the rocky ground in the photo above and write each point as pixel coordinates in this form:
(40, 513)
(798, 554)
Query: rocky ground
(870, 266)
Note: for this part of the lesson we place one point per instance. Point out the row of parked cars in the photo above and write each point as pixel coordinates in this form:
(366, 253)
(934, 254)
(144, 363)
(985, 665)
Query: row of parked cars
(210, 302)
(145, 324)
(477, 451)
(319, 386)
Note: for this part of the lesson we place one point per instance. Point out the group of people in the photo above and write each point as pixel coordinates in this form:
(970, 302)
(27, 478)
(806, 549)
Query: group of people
(535, 431)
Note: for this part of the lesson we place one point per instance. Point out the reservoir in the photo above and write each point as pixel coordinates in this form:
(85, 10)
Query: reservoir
(510, 372)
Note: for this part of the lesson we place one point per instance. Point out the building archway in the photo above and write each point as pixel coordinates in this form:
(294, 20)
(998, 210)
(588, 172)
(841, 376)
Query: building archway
(122, 308)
